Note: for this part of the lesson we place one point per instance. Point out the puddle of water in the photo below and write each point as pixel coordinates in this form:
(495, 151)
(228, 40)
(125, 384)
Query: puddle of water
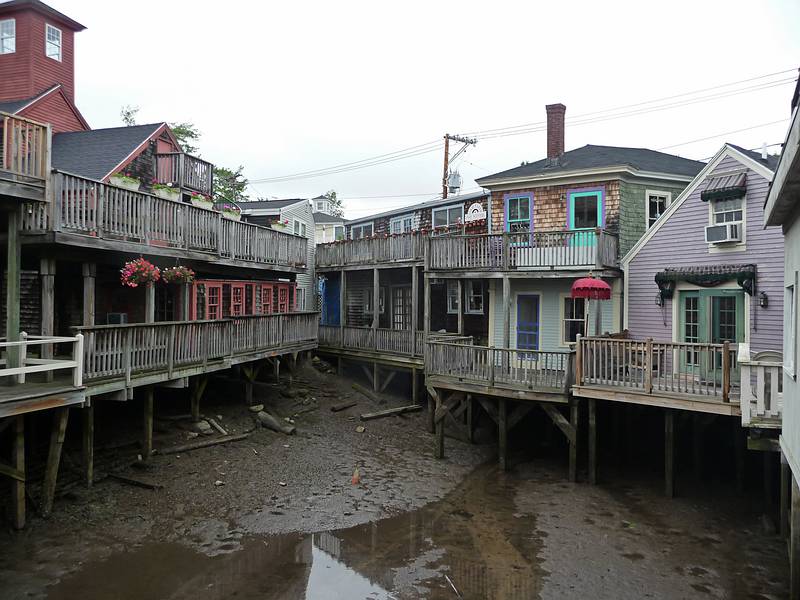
(485, 553)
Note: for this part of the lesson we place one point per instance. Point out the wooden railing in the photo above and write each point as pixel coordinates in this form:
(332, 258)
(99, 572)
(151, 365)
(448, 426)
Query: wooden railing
(185, 171)
(18, 361)
(104, 211)
(367, 251)
(592, 248)
(651, 367)
(389, 341)
(761, 392)
(24, 147)
(540, 370)
(124, 351)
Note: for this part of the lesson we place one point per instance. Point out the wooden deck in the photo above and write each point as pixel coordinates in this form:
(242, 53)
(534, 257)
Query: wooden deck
(395, 250)
(34, 396)
(24, 158)
(387, 346)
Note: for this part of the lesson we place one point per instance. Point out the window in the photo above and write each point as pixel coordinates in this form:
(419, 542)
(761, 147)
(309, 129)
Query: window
(338, 232)
(574, 322)
(790, 329)
(400, 224)
(528, 322)
(401, 307)
(474, 297)
(361, 231)
(320, 205)
(52, 43)
(300, 228)
(585, 210)
(8, 36)
(368, 300)
(448, 215)
(728, 210)
(657, 203)
(237, 300)
(452, 297)
(518, 215)
(266, 300)
(213, 307)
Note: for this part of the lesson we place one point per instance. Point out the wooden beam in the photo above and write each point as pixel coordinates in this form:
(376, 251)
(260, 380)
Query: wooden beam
(786, 476)
(376, 296)
(390, 412)
(89, 278)
(519, 413)
(502, 433)
(414, 388)
(149, 304)
(147, 445)
(342, 305)
(559, 420)
(60, 417)
(18, 459)
(9, 471)
(470, 416)
(490, 409)
(197, 390)
(426, 318)
(433, 396)
(47, 274)
(574, 415)
(87, 417)
(592, 441)
(387, 380)
(370, 375)
(375, 377)
(439, 451)
(445, 406)
(669, 452)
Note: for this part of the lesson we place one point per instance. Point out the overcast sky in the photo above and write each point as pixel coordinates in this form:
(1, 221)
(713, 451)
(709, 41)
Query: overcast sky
(288, 87)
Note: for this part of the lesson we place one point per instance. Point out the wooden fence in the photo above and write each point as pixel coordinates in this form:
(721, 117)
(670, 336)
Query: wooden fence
(367, 251)
(537, 370)
(24, 147)
(595, 248)
(117, 351)
(102, 211)
(185, 171)
(650, 367)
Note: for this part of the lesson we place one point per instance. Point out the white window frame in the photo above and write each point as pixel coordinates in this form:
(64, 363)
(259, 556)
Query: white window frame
(790, 328)
(6, 37)
(452, 294)
(563, 319)
(733, 246)
(446, 210)
(60, 45)
(320, 205)
(667, 202)
(361, 227)
(474, 289)
(402, 219)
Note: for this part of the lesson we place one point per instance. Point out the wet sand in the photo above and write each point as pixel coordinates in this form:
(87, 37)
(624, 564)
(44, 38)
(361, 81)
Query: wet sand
(414, 526)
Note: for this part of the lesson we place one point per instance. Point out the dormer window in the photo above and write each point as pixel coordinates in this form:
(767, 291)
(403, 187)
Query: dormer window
(52, 43)
(8, 36)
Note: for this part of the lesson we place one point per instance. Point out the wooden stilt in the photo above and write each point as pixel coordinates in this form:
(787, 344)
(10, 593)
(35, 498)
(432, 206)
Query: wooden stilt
(277, 364)
(375, 383)
(794, 542)
(248, 392)
(439, 452)
(502, 433)
(697, 446)
(60, 417)
(592, 441)
(470, 416)
(574, 414)
(414, 389)
(196, 394)
(87, 416)
(387, 380)
(769, 499)
(431, 412)
(786, 476)
(669, 453)
(739, 454)
(147, 444)
(18, 460)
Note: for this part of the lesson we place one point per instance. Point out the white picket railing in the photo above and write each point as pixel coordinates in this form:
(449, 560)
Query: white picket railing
(17, 360)
(761, 391)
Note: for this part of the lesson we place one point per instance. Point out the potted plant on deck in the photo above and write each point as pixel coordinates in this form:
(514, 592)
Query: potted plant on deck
(202, 201)
(139, 272)
(280, 225)
(125, 180)
(165, 190)
(231, 211)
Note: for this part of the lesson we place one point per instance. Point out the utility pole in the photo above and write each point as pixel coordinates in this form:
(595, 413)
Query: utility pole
(456, 138)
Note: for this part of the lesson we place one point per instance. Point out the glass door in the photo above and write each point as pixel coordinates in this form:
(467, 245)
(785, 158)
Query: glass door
(528, 322)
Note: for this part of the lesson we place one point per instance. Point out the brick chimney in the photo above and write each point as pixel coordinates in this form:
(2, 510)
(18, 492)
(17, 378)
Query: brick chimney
(555, 130)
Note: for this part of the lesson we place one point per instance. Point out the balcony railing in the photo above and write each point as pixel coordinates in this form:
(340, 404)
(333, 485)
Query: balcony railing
(583, 249)
(405, 247)
(102, 211)
(26, 356)
(381, 340)
(505, 368)
(762, 392)
(703, 371)
(167, 348)
(24, 149)
(185, 171)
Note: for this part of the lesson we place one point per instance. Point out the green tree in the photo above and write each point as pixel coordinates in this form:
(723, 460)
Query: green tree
(128, 114)
(230, 185)
(337, 209)
(187, 135)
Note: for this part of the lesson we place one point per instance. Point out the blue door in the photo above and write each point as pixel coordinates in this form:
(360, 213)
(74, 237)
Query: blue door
(528, 322)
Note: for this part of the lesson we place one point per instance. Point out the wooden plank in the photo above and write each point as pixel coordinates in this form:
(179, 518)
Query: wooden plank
(343, 405)
(390, 412)
(204, 443)
(17, 486)
(59, 428)
(446, 406)
(135, 481)
(387, 380)
(11, 472)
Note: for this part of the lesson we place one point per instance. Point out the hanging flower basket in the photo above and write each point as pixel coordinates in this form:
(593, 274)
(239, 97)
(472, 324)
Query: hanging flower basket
(165, 190)
(280, 225)
(201, 201)
(139, 272)
(179, 274)
(231, 211)
(125, 180)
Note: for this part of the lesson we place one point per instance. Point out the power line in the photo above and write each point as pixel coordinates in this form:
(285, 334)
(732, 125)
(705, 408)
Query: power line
(711, 137)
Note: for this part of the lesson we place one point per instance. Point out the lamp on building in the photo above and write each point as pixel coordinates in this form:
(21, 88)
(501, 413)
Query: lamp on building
(659, 299)
(763, 300)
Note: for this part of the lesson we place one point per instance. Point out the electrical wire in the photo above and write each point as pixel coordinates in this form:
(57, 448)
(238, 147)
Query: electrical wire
(711, 137)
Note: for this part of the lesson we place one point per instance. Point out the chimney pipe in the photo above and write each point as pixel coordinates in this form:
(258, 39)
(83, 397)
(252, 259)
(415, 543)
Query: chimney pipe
(555, 130)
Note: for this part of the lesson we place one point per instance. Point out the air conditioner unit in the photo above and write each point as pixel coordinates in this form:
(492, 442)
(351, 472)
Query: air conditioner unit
(726, 232)
(116, 318)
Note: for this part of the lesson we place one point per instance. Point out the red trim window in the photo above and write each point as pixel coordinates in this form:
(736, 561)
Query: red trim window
(283, 299)
(266, 299)
(237, 300)
(213, 301)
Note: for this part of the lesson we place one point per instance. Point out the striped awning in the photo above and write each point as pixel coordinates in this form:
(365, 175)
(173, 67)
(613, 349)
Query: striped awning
(725, 186)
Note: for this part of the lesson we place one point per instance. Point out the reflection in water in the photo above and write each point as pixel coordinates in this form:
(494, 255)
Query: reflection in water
(472, 535)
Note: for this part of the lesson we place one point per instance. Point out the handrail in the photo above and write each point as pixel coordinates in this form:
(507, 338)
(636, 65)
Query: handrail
(24, 365)
(373, 250)
(24, 147)
(162, 323)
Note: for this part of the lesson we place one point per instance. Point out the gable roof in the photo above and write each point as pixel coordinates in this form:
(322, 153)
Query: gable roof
(423, 205)
(771, 162)
(268, 205)
(98, 153)
(592, 157)
(731, 150)
(321, 217)
(18, 106)
(44, 9)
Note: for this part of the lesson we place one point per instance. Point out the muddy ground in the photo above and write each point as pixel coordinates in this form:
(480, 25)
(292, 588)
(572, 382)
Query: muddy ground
(277, 516)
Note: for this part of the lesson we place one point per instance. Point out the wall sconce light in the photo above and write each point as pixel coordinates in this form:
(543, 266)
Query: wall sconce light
(763, 300)
(659, 299)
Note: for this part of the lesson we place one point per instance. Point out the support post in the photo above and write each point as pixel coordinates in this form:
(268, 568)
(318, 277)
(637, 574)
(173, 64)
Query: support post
(47, 273)
(669, 452)
(470, 417)
(18, 460)
(149, 304)
(506, 311)
(439, 453)
(89, 277)
(186, 298)
(342, 306)
(13, 270)
(426, 317)
(574, 414)
(197, 390)
(375, 377)
(277, 364)
(414, 390)
(414, 311)
(592, 441)
(87, 416)
(502, 433)
(786, 476)
(794, 542)
(376, 298)
(460, 307)
(147, 444)
(60, 417)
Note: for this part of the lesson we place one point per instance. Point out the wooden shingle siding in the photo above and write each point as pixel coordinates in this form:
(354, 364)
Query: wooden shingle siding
(633, 209)
(680, 241)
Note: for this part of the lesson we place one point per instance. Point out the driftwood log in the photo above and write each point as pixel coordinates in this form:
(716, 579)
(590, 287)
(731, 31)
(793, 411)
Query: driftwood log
(390, 411)
(343, 405)
(204, 443)
(270, 422)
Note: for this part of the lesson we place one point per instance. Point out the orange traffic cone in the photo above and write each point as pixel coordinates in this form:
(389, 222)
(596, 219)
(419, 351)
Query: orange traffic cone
(356, 477)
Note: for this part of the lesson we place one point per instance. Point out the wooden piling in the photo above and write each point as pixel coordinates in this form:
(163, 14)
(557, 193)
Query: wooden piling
(669, 452)
(87, 418)
(439, 428)
(147, 442)
(574, 415)
(786, 476)
(502, 433)
(57, 434)
(592, 441)
(18, 460)
(469, 418)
